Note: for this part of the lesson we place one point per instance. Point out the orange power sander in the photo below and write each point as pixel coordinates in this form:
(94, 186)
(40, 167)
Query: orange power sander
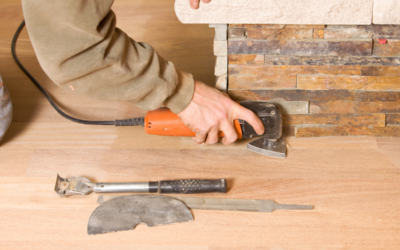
(163, 122)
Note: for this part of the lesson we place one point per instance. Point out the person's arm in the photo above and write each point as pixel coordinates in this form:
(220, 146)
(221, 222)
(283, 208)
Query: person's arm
(80, 49)
(210, 111)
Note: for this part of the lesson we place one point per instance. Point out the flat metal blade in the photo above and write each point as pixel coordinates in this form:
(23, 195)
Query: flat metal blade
(277, 151)
(266, 206)
(125, 212)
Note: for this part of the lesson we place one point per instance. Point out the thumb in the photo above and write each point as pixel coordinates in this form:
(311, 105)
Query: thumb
(251, 118)
(194, 4)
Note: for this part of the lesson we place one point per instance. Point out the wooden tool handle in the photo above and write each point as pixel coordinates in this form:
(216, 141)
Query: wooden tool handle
(164, 122)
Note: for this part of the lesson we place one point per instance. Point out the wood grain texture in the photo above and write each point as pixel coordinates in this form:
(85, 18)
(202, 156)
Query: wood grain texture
(352, 182)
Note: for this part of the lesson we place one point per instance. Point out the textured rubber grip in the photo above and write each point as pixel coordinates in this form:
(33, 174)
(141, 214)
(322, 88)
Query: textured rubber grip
(130, 122)
(192, 186)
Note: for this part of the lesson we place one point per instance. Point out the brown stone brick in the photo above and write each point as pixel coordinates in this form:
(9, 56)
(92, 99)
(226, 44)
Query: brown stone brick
(362, 31)
(348, 131)
(393, 119)
(258, 26)
(246, 59)
(262, 82)
(292, 108)
(277, 60)
(345, 107)
(296, 26)
(374, 96)
(380, 71)
(237, 33)
(293, 70)
(348, 82)
(335, 60)
(288, 131)
(319, 34)
(264, 34)
(346, 32)
(375, 120)
(391, 48)
(302, 47)
(291, 95)
(383, 31)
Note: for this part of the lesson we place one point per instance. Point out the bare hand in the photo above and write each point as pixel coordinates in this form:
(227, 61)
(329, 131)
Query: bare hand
(211, 111)
(195, 3)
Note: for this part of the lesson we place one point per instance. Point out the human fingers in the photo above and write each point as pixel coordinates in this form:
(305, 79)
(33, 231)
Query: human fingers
(194, 4)
(206, 1)
(200, 137)
(229, 132)
(251, 118)
(212, 136)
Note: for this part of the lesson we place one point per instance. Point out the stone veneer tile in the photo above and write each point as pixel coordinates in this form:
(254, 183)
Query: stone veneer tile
(374, 120)
(278, 12)
(386, 12)
(316, 47)
(347, 131)
(292, 95)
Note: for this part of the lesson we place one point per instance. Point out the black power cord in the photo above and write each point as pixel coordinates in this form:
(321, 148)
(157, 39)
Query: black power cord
(127, 122)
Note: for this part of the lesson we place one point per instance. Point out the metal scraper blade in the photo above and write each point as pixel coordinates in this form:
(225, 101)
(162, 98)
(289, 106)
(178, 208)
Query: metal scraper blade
(260, 147)
(264, 206)
(125, 212)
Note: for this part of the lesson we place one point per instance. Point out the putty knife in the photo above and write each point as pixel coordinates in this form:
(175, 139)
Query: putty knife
(121, 213)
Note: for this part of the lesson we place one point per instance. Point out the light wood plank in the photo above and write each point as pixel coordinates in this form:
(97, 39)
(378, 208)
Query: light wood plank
(353, 183)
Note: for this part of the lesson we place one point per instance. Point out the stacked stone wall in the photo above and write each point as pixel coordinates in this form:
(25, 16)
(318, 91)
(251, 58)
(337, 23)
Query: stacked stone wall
(327, 80)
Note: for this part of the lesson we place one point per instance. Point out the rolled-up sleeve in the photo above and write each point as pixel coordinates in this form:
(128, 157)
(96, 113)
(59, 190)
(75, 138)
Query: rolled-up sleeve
(80, 49)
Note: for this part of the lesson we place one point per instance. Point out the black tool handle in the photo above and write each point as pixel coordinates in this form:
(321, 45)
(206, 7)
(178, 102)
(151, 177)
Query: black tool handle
(192, 186)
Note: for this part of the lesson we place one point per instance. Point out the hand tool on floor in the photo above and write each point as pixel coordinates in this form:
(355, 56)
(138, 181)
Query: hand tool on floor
(83, 186)
(120, 213)
(265, 206)
(164, 122)
(125, 212)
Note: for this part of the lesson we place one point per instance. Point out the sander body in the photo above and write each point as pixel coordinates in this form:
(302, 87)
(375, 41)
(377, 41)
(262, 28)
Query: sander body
(163, 122)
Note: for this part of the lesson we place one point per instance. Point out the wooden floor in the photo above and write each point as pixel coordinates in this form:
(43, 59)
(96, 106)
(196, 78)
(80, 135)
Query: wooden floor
(354, 183)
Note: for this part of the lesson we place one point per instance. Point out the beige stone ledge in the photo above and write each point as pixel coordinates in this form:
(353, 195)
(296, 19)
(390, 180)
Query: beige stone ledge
(386, 12)
(279, 12)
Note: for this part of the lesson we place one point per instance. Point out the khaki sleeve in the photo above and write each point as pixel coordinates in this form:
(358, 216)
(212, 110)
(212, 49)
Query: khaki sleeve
(80, 49)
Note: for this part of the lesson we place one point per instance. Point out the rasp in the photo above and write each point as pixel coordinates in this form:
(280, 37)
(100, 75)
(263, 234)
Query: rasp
(266, 206)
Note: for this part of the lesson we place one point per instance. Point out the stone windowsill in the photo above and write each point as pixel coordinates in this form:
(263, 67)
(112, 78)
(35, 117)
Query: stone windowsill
(344, 12)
